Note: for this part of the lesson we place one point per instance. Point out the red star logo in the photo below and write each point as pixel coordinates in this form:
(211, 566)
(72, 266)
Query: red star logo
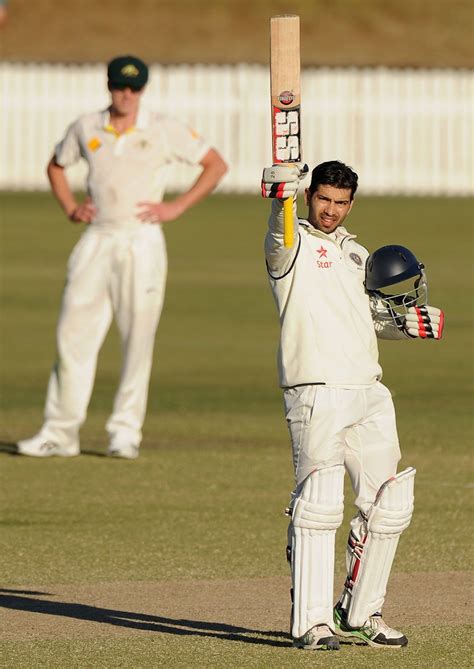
(323, 253)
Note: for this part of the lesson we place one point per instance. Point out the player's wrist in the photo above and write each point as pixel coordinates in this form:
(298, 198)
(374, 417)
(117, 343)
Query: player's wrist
(71, 210)
(73, 215)
(180, 206)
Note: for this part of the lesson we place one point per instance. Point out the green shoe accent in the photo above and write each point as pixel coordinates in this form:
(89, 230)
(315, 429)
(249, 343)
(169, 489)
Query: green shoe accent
(375, 632)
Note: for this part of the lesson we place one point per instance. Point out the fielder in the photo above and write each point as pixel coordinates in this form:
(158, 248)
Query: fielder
(118, 267)
(328, 294)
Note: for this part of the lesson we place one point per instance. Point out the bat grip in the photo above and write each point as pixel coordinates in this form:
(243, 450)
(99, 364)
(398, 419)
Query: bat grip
(288, 236)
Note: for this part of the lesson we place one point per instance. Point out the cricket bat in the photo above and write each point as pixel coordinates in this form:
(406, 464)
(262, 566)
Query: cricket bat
(285, 100)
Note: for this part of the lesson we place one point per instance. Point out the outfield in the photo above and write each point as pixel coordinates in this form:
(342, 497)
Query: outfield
(177, 559)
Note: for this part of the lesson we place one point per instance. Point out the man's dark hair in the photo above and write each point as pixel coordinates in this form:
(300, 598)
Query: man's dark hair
(336, 174)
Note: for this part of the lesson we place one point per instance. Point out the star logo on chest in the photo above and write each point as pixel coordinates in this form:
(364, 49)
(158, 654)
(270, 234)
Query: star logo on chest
(323, 253)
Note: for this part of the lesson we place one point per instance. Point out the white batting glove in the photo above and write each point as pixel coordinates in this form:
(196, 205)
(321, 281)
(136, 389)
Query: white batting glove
(425, 322)
(282, 181)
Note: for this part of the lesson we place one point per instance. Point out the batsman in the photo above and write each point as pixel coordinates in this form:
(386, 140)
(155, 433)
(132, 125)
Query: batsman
(334, 300)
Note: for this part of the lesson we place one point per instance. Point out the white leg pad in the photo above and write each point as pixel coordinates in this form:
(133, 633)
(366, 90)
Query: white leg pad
(373, 557)
(317, 513)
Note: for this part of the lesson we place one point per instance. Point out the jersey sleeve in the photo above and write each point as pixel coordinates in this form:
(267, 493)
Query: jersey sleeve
(185, 144)
(68, 151)
(279, 258)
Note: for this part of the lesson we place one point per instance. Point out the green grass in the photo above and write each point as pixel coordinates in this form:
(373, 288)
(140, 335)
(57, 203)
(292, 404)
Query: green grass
(427, 653)
(214, 474)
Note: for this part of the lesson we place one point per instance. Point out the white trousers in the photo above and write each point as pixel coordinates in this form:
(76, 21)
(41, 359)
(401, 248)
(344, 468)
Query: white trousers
(351, 427)
(121, 274)
(334, 426)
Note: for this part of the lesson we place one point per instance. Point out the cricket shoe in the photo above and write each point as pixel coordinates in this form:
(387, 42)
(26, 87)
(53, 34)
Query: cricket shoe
(319, 637)
(40, 446)
(122, 449)
(375, 632)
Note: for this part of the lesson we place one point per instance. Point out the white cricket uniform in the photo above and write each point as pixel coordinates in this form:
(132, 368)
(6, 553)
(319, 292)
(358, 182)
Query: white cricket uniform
(118, 267)
(337, 410)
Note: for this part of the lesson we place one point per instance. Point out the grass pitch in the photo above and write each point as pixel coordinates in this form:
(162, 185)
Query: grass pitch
(203, 503)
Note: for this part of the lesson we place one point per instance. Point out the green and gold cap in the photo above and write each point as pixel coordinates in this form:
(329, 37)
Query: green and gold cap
(127, 71)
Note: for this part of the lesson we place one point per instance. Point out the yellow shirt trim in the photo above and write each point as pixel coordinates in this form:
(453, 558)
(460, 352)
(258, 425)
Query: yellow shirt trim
(110, 128)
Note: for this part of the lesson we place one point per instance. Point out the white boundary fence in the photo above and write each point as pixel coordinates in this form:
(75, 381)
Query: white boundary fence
(405, 132)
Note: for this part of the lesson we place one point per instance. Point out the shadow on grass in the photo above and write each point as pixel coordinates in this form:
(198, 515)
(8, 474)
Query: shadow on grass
(12, 599)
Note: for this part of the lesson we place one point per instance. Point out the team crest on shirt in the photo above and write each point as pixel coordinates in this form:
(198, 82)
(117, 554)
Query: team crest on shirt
(94, 144)
(356, 258)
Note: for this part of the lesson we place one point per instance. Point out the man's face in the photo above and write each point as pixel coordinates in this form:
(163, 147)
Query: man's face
(328, 207)
(125, 101)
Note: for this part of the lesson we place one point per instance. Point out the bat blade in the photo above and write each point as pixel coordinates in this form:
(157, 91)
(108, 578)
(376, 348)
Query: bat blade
(285, 100)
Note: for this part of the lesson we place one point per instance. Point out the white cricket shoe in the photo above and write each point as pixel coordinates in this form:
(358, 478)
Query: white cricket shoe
(319, 637)
(122, 449)
(40, 446)
(375, 632)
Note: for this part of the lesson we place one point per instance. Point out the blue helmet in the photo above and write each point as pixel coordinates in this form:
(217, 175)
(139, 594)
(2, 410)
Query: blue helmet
(388, 266)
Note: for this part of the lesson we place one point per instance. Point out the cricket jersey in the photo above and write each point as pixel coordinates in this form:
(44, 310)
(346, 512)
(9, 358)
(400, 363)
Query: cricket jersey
(327, 331)
(131, 167)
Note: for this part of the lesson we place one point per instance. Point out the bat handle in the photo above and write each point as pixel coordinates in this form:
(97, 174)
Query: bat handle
(288, 237)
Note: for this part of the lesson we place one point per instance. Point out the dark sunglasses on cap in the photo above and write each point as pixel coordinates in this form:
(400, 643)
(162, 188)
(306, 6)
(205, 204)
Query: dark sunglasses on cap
(122, 87)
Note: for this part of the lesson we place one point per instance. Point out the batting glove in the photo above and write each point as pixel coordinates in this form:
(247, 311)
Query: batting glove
(425, 322)
(282, 181)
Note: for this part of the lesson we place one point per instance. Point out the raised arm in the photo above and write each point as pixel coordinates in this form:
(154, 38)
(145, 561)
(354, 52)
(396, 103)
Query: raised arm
(280, 182)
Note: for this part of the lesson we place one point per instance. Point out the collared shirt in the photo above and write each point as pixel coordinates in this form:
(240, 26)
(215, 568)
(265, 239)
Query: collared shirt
(327, 332)
(131, 167)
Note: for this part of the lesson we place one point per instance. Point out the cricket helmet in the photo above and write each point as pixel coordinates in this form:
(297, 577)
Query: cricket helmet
(391, 265)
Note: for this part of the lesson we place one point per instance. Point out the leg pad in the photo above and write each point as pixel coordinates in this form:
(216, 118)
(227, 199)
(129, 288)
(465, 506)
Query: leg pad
(317, 513)
(373, 553)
